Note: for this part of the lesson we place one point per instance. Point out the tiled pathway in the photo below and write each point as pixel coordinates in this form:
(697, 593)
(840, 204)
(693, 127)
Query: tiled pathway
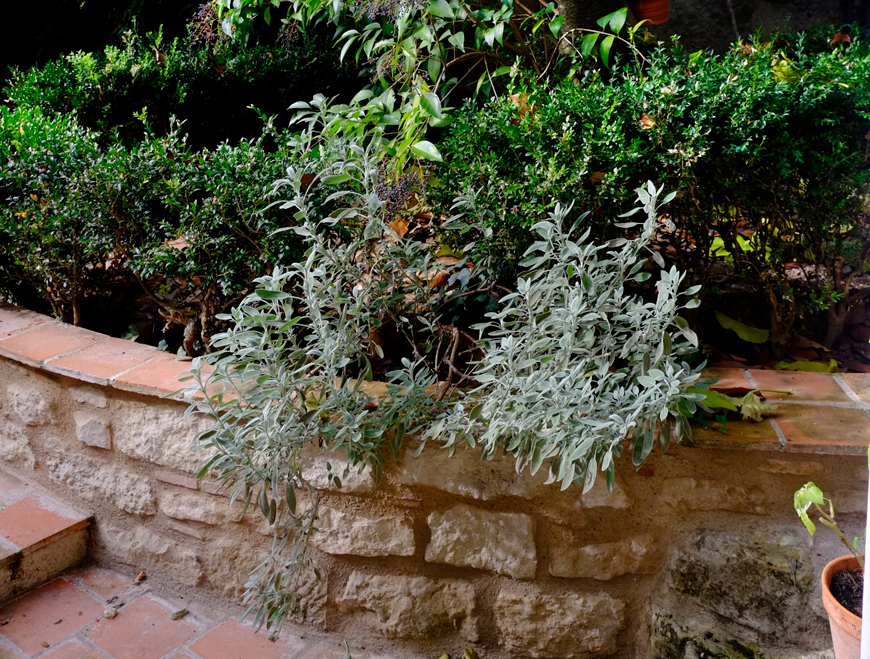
(66, 619)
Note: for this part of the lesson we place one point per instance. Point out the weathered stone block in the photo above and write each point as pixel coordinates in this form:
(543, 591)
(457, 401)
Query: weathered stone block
(196, 508)
(93, 431)
(124, 489)
(802, 468)
(89, 395)
(761, 581)
(687, 494)
(501, 542)
(142, 548)
(346, 533)
(411, 607)
(353, 481)
(159, 434)
(603, 561)
(29, 404)
(600, 497)
(534, 624)
(171, 478)
(15, 444)
(850, 501)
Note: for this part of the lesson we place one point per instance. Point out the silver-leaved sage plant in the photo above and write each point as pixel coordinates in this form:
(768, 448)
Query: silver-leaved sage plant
(574, 362)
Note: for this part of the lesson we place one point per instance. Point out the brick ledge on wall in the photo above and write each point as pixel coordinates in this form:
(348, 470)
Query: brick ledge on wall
(823, 413)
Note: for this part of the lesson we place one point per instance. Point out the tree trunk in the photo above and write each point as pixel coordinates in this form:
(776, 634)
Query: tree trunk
(782, 317)
(583, 13)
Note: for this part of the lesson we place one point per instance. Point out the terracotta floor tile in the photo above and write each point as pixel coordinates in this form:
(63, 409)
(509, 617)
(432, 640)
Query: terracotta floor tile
(233, 641)
(16, 319)
(105, 583)
(103, 360)
(5, 653)
(803, 386)
(738, 434)
(32, 618)
(12, 489)
(141, 630)
(728, 378)
(74, 650)
(48, 340)
(825, 427)
(29, 521)
(158, 376)
(859, 383)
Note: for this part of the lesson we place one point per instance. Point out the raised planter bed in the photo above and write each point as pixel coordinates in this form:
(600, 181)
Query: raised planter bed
(451, 552)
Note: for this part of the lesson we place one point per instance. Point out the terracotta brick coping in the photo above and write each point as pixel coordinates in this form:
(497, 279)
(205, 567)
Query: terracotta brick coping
(823, 413)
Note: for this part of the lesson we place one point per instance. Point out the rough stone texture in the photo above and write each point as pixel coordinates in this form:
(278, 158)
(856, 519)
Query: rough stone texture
(192, 530)
(747, 579)
(180, 480)
(28, 404)
(196, 508)
(124, 489)
(142, 548)
(159, 434)
(89, 395)
(411, 607)
(352, 480)
(534, 624)
(600, 497)
(686, 494)
(502, 542)
(791, 468)
(93, 431)
(346, 533)
(14, 445)
(467, 475)
(604, 561)
(849, 501)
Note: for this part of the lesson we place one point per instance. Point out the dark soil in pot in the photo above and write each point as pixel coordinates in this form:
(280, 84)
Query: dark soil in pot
(848, 589)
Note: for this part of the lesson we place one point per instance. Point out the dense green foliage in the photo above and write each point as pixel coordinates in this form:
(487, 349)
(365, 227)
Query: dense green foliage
(766, 148)
(91, 227)
(212, 87)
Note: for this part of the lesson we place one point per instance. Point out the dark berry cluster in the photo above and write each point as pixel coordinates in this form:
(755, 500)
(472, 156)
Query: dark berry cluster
(396, 191)
(204, 27)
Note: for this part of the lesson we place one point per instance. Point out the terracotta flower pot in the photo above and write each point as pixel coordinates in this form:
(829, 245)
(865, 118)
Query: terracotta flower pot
(845, 625)
(654, 12)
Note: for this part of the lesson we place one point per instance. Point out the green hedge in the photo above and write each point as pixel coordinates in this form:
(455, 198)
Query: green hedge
(771, 138)
(211, 88)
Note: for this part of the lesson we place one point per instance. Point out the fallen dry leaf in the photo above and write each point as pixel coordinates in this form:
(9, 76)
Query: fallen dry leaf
(141, 577)
(646, 122)
(400, 226)
(439, 280)
(179, 243)
(597, 177)
(841, 37)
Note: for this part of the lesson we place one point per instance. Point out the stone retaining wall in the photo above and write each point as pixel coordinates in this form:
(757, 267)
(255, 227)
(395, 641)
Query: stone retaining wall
(698, 550)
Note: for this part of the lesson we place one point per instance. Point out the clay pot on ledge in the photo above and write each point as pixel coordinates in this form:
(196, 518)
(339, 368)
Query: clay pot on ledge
(654, 12)
(845, 625)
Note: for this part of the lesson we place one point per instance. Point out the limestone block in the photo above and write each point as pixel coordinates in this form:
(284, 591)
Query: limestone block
(90, 395)
(411, 607)
(353, 481)
(104, 482)
(159, 434)
(600, 497)
(465, 474)
(687, 494)
(501, 542)
(171, 478)
(346, 533)
(802, 468)
(196, 508)
(93, 431)
(534, 624)
(603, 561)
(15, 444)
(144, 549)
(192, 530)
(29, 404)
(850, 501)
(747, 578)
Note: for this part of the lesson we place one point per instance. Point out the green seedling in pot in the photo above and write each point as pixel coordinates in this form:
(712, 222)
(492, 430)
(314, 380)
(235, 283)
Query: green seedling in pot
(810, 496)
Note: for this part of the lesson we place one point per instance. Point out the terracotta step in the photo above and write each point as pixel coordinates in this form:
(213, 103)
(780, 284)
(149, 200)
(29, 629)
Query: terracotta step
(39, 537)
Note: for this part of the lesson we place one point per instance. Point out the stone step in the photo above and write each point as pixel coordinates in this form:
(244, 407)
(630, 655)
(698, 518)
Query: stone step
(39, 536)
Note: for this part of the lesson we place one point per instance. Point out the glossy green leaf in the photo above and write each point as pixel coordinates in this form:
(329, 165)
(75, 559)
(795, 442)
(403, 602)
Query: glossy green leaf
(745, 332)
(426, 150)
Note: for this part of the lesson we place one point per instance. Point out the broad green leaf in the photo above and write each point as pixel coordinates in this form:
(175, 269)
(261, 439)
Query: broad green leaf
(617, 19)
(426, 150)
(433, 68)
(588, 44)
(811, 367)
(556, 25)
(605, 50)
(432, 104)
(715, 399)
(745, 332)
(440, 8)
